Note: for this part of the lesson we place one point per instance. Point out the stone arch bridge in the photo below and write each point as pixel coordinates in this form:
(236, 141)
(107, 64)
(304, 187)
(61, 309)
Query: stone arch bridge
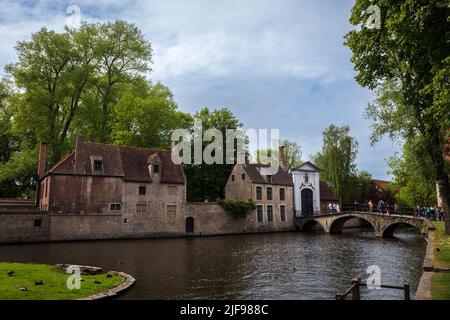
(384, 225)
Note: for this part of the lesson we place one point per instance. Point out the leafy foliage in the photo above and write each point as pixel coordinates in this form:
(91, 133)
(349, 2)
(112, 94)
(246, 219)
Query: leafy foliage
(89, 81)
(207, 181)
(413, 176)
(407, 63)
(337, 160)
(292, 153)
(238, 208)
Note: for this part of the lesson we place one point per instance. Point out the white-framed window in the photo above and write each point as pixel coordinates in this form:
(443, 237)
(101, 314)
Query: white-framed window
(260, 213)
(282, 213)
(115, 207)
(270, 213)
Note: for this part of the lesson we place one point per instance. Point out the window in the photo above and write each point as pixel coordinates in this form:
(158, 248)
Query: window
(98, 165)
(283, 213)
(232, 177)
(258, 193)
(141, 210)
(306, 178)
(270, 213)
(243, 176)
(172, 209)
(141, 207)
(259, 213)
(115, 206)
(37, 222)
(269, 193)
(282, 194)
(155, 168)
(142, 190)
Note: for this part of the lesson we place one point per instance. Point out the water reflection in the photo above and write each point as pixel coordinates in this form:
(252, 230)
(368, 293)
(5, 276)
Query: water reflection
(269, 266)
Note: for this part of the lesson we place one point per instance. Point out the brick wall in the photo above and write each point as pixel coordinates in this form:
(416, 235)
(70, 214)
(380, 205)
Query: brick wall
(23, 227)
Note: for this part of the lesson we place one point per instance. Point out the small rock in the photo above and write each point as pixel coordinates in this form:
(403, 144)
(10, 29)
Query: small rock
(23, 289)
(109, 275)
(97, 282)
(11, 273)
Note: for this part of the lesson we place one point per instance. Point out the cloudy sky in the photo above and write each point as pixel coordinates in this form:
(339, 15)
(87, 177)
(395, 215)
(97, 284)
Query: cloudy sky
(274, 63)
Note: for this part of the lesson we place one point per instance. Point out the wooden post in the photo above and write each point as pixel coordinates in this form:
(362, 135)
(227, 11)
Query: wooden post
(356, 295)
(407, 292)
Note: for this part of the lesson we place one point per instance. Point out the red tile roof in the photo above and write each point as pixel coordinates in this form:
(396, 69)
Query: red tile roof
(326, 194)
(381, 184)
(282, 177)
(118, 161)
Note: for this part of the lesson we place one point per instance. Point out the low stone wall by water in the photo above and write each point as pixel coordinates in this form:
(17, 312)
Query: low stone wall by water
(206, 219)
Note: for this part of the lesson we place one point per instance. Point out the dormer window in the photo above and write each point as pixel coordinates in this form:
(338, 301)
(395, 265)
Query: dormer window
(154, 166)
(98, 165)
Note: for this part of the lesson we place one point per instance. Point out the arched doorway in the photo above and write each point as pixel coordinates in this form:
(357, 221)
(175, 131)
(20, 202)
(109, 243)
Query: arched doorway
(307, 202)
(190, 225)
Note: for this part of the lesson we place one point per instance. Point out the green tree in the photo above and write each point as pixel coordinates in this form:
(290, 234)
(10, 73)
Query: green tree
(57, 72)
(148, 120)
(207, 181)
(292, 153)
(68, 84)
(337, 160)
(361, 187)
(413, 176)
(407, 63)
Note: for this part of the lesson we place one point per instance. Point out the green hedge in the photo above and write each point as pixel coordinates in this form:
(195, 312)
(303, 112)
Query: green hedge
(238, 208)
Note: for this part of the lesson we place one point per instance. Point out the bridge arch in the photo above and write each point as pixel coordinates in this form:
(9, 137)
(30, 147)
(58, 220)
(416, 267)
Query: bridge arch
(337, 224)
(388, 231)
(313, 225)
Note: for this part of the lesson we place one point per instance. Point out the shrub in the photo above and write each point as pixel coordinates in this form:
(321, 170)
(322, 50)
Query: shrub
(238, 208)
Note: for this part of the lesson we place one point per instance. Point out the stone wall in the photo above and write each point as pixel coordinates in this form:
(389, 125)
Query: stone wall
(209, 219)
(212, 219)
(24, 227)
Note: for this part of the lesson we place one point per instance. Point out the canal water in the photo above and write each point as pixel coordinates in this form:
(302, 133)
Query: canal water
(264, 266)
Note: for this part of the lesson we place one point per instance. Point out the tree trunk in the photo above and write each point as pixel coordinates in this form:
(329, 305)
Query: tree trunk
(443, 196)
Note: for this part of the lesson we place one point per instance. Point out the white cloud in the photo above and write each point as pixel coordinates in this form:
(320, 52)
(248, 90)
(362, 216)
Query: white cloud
(275, 63)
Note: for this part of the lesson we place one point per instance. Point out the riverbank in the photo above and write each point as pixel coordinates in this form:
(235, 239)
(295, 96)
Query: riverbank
(435, 280)
(19, 281)
(440, 282)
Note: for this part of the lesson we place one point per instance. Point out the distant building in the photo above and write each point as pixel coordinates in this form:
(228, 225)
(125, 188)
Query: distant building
(106, 179)
(273, 195)
(379, 190)
(306, 178)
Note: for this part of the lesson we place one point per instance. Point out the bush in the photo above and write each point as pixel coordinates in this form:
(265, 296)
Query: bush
(238, 208)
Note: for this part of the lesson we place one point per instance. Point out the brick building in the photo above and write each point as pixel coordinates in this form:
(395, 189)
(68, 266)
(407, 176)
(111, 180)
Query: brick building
(106, 179)
(273, 195)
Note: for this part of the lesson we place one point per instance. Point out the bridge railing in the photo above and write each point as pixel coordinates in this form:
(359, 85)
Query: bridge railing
(364, 208)
(355, 290)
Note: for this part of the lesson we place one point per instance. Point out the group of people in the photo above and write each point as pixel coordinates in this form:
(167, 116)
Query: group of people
(382, 207)
(429, 212)
(334, 208)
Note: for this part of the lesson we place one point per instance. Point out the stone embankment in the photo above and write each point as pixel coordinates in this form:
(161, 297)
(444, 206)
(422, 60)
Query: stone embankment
(127, 283)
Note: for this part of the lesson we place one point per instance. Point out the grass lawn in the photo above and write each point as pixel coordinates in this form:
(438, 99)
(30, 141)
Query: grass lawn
(54, 283)
(440, 285)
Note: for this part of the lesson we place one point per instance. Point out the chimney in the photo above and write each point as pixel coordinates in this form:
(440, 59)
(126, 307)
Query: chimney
(42, 159)
(282, 158)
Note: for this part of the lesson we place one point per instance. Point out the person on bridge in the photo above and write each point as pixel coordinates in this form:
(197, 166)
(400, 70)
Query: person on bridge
(370, 206)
